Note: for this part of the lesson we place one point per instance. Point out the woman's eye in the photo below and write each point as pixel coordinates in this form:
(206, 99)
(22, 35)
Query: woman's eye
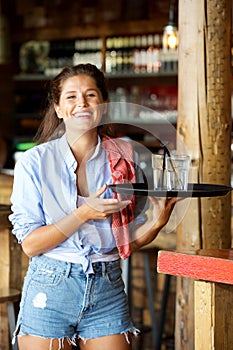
(91, 94)
(70, 97)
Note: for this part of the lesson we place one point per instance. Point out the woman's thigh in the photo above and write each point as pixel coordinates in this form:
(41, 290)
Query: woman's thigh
(110, 342)
(27, 342)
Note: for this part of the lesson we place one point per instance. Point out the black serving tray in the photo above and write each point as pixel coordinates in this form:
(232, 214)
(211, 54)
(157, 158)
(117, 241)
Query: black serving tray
(194, 190)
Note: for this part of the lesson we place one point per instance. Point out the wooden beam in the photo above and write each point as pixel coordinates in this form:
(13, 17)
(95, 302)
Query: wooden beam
(214, 265)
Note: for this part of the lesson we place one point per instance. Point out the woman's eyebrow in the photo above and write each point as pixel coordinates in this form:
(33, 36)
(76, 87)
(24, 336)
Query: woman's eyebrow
(88, 89)
(69, 92)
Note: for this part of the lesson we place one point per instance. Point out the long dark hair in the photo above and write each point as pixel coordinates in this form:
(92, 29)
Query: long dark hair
(53, 127)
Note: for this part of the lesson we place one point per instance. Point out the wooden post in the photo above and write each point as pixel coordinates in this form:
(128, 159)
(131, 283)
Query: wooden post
(10, 257)
(204, 127)
(5, 273)
(212, 316)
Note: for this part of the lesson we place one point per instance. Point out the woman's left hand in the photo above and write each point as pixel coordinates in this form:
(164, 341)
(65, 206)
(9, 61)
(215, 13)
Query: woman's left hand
(162, 209)
(159, 215)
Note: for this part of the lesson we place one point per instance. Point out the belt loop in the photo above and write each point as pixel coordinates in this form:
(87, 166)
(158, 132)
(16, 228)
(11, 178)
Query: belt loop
(68, 269)
(104, 269)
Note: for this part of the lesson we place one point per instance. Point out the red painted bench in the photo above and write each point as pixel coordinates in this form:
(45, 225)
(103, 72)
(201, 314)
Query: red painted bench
(212, 271)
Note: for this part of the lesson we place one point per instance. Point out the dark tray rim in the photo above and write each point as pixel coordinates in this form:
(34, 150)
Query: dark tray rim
(195, 190)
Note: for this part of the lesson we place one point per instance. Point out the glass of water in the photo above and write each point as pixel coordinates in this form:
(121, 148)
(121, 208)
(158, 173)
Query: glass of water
(177, 172)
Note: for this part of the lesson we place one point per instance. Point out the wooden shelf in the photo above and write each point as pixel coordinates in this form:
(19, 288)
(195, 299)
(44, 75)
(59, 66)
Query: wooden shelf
(161, 79)
(101, 30)
(133, 76)
(114, 80)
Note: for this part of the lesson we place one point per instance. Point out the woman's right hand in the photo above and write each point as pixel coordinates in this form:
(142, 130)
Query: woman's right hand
(97, 208)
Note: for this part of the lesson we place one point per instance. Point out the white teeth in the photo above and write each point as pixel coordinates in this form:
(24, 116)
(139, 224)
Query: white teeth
(83, 114)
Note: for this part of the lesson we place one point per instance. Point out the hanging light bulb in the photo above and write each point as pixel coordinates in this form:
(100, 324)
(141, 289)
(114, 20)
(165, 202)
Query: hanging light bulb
(170, 33)
(170, 37)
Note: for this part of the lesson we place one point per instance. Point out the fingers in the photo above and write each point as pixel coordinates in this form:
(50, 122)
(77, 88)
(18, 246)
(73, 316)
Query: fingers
(100, 191)
(105, 210)
(163, 206)
(166, 200)
(171, 202)
(98, 208)
(115, 206)
(108, 205)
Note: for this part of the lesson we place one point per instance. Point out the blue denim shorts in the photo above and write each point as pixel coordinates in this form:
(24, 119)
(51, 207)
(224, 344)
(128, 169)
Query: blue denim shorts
(60, 301)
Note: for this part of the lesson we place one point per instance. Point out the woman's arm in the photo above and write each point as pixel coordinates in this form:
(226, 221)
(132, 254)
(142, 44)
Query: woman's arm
(146, 233)
(47, 237)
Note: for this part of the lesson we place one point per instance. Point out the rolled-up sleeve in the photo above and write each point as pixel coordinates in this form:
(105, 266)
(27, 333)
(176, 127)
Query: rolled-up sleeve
(27, 213)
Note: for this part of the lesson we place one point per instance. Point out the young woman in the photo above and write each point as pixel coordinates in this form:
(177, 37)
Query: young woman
(72, 226)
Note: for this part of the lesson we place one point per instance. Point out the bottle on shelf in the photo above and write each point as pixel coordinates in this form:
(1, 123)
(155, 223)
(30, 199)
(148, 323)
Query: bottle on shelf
(121, 55)
(139, 54)
(60, 55)
(88, 51)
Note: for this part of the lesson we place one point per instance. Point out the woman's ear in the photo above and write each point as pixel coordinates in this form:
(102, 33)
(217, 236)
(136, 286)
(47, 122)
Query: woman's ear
(57, 110)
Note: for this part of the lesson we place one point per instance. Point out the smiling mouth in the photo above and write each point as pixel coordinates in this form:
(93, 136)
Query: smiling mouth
(85, 115)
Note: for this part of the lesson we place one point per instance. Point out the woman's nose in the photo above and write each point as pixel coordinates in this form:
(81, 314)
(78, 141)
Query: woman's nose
(82, 101)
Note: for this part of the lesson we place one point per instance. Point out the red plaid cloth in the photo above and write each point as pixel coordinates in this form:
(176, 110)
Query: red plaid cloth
(120, 156)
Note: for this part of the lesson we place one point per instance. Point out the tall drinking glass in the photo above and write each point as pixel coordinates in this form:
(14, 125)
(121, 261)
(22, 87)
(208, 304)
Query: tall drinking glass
(177, 172)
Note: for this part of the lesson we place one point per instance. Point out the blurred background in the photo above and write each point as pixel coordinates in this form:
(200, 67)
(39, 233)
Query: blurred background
(135, 42)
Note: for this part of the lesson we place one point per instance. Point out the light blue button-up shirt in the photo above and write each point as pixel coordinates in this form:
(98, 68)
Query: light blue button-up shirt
(45, 191)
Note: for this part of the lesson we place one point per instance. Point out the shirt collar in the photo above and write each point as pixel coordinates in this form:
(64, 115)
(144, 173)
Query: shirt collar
(68, 155)
(97, 149)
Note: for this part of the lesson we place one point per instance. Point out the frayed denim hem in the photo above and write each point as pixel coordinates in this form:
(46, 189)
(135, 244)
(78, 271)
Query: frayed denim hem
(71, 341)
(133, 331)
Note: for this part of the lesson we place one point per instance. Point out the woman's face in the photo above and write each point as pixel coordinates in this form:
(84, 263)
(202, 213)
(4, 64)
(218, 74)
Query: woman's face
(79, 103)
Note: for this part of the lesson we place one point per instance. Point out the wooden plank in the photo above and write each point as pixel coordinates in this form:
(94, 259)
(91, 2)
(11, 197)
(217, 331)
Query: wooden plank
(4, 283)
(203, 315)
(6, 183)
(15, 261)
(214, 265)
(4, 258)
(213, 321)
(10, 256)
